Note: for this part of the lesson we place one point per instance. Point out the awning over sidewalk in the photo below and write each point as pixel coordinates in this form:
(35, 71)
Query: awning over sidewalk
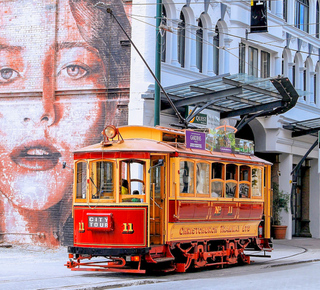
(307, 127)
(234, 95)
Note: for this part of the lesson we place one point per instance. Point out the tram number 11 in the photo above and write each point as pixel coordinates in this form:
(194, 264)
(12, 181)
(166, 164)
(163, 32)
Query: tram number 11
(127, 228)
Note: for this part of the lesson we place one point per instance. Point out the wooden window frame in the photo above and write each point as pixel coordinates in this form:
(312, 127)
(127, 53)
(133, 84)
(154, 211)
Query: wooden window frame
(92, 171)
(76, 199)
(261, 196)
(143, 162)
(222, 179)
(247, 182)
(188, 194)
(203, 195)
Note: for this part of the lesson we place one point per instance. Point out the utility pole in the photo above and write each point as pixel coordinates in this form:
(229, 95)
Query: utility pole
(157, 98)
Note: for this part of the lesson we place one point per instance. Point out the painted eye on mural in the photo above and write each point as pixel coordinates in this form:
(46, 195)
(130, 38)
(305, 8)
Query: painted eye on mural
(7, 75)
(74, 71)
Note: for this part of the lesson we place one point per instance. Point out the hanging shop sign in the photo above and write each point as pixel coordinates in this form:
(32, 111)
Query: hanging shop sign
(205, 119)
(259, 21)
(195, 140)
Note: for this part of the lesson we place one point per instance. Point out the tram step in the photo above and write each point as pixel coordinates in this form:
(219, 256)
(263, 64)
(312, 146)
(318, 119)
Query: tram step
(255, 250)
(163, 259)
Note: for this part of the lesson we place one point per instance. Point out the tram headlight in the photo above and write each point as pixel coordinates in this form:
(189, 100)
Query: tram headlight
(110, 131)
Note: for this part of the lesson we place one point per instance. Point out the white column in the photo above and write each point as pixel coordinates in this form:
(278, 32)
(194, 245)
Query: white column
(174, 43)
(318, 89)
(310, 98)
(279, 8)
(277, 66)
(290, 11)
(301, 82)
(205, 48)
(210, 54)
(227, 42)
(312, 17)
(290, 71)
(193, 51)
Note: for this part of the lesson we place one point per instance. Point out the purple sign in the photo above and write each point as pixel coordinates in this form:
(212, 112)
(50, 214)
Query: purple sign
(195, 140)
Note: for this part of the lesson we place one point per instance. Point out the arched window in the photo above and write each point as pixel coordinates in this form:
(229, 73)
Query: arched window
(199, 45)
(253, 62)
(284, 11)
(265, 64)
(317, 20)
(302, 15)
(181, 39)
(305, 79)
(216, 55)
(242, 58)
(315, 88)
(294, 83)
(283, 64)
(164, 34)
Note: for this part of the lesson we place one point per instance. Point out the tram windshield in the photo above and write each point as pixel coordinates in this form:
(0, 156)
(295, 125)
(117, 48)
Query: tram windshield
(102, 177)
(110, 180)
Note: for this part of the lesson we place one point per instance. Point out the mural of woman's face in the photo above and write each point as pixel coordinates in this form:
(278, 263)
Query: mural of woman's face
(49, 103)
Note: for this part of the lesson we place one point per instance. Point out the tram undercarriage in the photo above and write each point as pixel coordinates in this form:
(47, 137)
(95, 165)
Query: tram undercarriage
(178, 257)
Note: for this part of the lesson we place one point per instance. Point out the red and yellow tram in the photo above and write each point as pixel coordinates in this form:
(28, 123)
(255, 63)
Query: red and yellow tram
(143, 200)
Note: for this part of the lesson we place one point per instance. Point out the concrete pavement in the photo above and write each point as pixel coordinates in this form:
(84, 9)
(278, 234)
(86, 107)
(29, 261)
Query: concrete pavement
(31, 267)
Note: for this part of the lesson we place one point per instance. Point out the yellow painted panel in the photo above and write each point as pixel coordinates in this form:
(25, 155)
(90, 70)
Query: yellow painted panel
(132, 132)
(212, 230)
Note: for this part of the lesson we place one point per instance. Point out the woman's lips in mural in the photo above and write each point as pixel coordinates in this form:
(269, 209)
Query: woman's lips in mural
(36, 155)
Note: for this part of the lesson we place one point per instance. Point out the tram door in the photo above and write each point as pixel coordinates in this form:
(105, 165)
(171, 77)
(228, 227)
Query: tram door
(157, 194)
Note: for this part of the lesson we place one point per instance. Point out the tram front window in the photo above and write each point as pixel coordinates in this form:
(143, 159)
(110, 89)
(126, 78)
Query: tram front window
(102, 180)
(81, 171)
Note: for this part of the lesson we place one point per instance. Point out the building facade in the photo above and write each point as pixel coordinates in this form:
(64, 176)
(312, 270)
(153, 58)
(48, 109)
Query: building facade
(211, 38)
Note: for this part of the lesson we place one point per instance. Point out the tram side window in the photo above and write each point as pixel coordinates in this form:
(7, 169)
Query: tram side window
(231, 180)
(256, 182)
(202, 178)
(217, 176)
(81, 190)
(245, 178)
(133, 176)
(186, 177)
(102, 179)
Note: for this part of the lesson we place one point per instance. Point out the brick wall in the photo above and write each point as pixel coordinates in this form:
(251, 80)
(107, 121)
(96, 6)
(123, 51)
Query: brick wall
(63, 76)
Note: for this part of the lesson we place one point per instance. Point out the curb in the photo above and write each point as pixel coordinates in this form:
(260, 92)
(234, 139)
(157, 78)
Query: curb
(293, 263)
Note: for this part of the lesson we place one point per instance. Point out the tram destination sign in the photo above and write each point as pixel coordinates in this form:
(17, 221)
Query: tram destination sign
(100, 222)
(195, 140)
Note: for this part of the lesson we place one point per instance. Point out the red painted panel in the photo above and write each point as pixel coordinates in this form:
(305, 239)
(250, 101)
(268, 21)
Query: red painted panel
(128, 227)
(193, 210)
(256, 211)
(245, 210)
(212, 210)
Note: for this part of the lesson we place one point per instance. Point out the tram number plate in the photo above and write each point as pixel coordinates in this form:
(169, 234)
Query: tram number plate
(102, 222)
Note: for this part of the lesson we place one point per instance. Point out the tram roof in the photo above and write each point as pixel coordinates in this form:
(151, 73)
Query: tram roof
(150, 139)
